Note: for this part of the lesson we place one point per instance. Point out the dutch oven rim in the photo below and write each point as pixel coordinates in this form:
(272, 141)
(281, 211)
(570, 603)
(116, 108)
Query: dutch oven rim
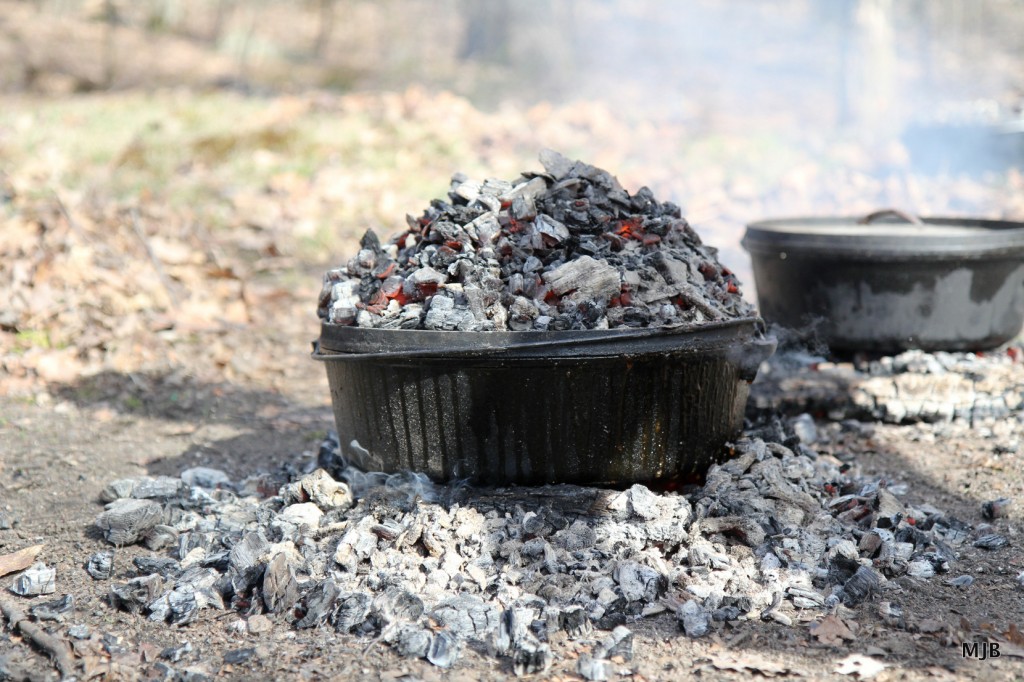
(999, 239)
(345, 342)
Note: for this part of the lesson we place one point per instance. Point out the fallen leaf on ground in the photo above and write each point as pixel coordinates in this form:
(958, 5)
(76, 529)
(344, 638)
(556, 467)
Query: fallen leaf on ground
(930, 625)
(831, 630)
(1014, 635)
(863, 666)
(20, 560)
(751, 663)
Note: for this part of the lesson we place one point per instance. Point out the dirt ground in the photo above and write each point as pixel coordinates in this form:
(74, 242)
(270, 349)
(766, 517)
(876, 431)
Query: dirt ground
(59, 454)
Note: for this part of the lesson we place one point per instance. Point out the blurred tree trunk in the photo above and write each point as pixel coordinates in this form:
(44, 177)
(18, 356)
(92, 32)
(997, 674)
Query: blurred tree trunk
(487, 34)
(870, 65)
(109, 56)
(221, 11)
(325, 27)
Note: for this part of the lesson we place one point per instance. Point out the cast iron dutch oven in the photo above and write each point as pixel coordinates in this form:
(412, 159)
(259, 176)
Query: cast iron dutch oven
(601, 407)
(890, 282)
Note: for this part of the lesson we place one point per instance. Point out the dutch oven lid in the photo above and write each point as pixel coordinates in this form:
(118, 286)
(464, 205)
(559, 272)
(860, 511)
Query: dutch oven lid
(340, 341)
(887, 233)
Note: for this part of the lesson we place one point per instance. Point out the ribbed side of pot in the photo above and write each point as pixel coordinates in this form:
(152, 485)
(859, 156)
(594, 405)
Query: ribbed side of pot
(607, 420)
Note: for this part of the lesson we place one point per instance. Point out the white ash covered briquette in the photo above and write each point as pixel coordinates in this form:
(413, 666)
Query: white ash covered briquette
(780, 532)
(914, 386)
(566, 248)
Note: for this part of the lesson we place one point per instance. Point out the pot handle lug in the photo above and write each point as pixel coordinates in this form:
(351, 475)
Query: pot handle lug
(887, 212)
(755, 352)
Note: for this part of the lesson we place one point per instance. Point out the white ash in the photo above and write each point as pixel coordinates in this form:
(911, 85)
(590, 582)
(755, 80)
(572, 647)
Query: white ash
(913, 386)
(35, 580)
(566, 248)
(776, 532)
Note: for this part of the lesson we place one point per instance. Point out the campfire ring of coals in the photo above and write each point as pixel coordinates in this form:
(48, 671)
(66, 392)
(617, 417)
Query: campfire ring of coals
(895, 284)
(597, 407)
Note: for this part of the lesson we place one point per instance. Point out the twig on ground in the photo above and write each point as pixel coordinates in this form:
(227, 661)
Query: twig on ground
(72, 223)
(164, 280)
(56, 648)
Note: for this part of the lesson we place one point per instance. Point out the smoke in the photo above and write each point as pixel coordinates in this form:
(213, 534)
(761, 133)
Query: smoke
(877, 70)
(796, 348)
(404, 487)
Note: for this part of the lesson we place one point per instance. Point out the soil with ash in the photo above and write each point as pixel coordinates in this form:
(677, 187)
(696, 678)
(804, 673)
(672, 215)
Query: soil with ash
(61, 455)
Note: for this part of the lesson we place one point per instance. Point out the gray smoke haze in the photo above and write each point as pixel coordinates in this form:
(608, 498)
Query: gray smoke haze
(932, 74)
(793, 107)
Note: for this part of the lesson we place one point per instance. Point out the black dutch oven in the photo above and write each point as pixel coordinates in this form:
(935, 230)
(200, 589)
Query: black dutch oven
(890, 282)
(600, 407)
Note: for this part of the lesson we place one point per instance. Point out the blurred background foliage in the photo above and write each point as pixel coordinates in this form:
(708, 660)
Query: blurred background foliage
(177, 173)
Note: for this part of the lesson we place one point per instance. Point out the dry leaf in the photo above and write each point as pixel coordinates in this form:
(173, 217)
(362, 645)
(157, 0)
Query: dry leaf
(1014, 635)
(863, 666)
(20, 560)
(930, 625)
(831, 630)
(750, 663)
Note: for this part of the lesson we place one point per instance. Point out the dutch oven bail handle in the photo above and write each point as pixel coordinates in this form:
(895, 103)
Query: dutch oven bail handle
(887, 212)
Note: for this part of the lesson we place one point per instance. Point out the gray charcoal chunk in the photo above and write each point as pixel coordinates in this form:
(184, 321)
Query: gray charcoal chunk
(161, 487)
(996, 509)
(318, 605)
(694, 620)
(136, 594)
(79, 632)
(594, 669)
(590, 279)
(550, 228)
(576, 622)
(399, 605)
(352, 611)
(245, 560)
(280, 589)
(444, 649)
(238, 656)
(862, 584)
(639, 582)
(54, 610)
(205, 477)
(555, 164)
(160, 536)
(618, 643)
(412, 641)
(184, 606)
(117, 490)
(644, 504)
(466, 615)
(920, 569)
(35, 580)
(991, 541)
(531, 657)
(100, 565)
(125, 521)
(166, 567)
(962, 581)
(511, 629)
(174, 654)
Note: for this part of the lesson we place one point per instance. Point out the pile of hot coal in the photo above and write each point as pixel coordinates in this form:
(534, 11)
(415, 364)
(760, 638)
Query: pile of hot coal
(567, 248)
